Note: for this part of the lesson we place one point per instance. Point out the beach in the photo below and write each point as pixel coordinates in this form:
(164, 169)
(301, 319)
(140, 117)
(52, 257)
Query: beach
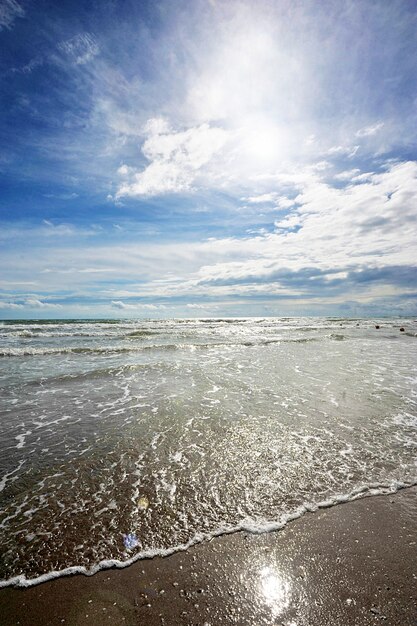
(349, 565)
(208, 319)
(248, 471)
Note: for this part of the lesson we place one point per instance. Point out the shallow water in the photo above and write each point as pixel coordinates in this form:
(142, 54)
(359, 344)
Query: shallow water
(175, 430)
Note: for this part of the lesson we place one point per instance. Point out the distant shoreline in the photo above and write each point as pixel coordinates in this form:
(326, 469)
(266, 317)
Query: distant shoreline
(111, 320)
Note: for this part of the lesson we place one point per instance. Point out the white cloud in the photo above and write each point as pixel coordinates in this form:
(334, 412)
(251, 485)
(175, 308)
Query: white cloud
(156, 126)
(347, 174)
(335, 276)
(289, 222)
(285, 203)
(363, 225)
(202, 307)
(10, 306)
(80, 49)
(175, 159)
(367, 131)
(28, 68)
(9, 11)
(48, 230)
(62, 196)
(35, 303)
(262, 198)
(247, 69)
(279, 201)
(367, 224)
(74, 270)
(29, 303)
(118, 304)
(348, 151)
(125, 170)
(320, 166)
(362, 178)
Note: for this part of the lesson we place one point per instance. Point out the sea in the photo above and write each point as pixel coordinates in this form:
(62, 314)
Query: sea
(125, 439)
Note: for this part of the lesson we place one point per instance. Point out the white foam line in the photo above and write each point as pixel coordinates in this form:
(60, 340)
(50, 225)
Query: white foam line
(247, 525)
(22, 438)
(5, 478)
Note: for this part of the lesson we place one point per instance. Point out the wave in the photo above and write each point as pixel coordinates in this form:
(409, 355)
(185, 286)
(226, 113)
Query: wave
(18, 352)
(28, 351)
(137, 334)
(92, 374)
(37, 334)
(247, 525)
(59, 322)
(58, 333)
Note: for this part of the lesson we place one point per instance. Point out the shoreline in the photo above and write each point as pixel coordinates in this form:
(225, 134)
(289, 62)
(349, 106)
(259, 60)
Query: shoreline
(368, 491)
(363, 549)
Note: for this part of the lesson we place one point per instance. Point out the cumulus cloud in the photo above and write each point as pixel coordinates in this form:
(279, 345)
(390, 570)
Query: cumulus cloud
(213, 107)
(175, 159)
(355, 239)
(365, 225)
(9, 11)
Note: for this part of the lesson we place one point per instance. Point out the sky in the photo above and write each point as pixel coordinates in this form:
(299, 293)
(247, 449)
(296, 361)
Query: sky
(204, 158)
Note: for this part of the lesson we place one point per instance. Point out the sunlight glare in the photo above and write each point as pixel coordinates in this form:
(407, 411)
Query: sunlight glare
(275, 590)
(263, 142)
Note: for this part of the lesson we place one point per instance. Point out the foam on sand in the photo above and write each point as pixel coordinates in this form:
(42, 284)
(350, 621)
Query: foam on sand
(248, 525)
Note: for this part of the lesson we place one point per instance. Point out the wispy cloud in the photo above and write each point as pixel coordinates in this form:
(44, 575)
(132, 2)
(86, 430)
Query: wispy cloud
(81, 48)
(35, 303)
(28, 303)
(62, 196)
(208, 306)
(196, 153)
(9, 11)
(35, 232)
(367, 131)
(118, 304)
(11, 306)
(348, 151)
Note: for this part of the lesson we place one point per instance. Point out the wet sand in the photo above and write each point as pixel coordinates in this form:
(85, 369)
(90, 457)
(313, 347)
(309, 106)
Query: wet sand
(351, 565)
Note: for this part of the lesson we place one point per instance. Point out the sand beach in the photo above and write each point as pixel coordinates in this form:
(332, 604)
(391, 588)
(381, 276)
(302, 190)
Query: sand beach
(349, 565)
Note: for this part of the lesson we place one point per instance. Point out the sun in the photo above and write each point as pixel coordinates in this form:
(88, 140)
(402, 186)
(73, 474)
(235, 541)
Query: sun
(262, 141)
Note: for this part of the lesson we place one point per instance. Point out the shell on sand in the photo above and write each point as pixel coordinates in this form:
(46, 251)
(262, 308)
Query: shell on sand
(143, 503)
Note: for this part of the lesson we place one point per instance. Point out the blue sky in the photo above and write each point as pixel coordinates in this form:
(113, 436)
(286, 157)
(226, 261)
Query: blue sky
(206, 158)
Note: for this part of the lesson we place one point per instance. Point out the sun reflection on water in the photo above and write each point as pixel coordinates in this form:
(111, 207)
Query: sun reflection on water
(276, 591)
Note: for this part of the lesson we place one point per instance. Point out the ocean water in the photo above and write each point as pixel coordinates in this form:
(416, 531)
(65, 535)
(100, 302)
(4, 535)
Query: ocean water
(122, 439)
